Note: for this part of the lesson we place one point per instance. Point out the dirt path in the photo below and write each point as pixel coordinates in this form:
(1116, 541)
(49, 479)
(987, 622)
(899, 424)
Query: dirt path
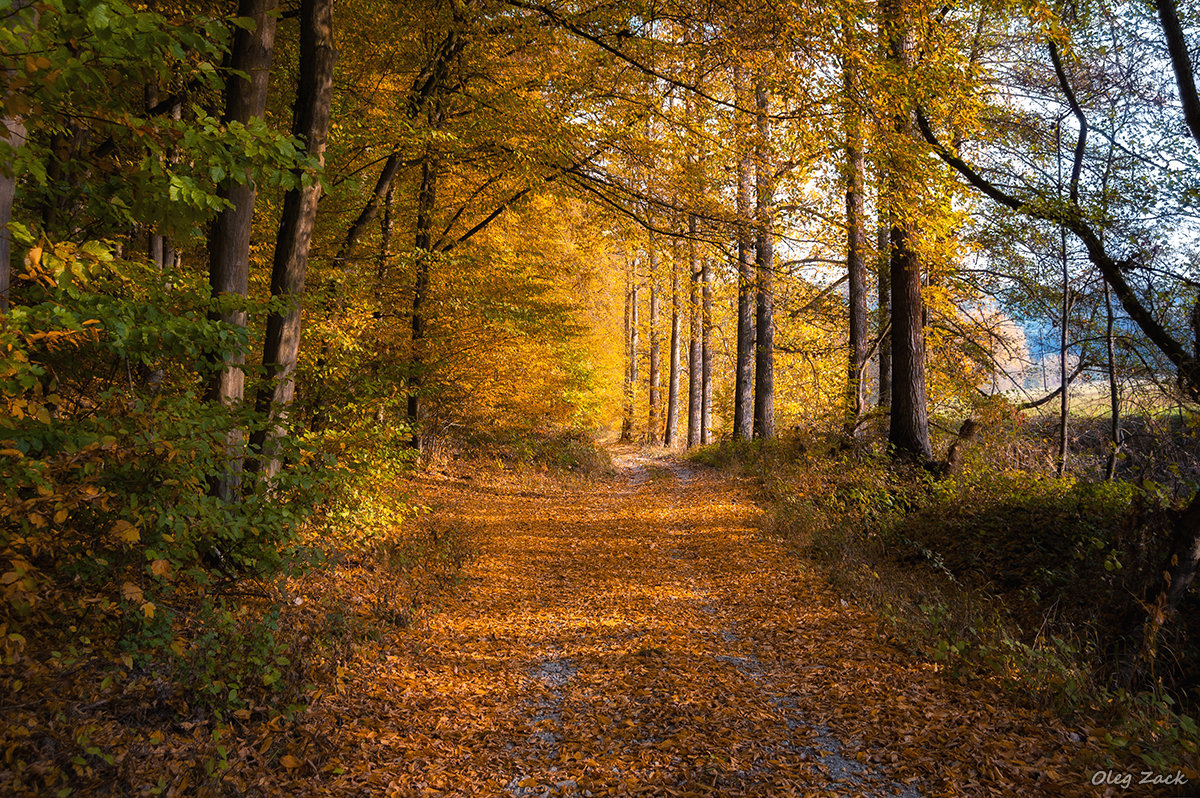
(638, 637)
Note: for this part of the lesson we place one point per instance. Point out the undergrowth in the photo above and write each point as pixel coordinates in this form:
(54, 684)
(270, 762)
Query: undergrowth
(565, 451)
(1009, 575)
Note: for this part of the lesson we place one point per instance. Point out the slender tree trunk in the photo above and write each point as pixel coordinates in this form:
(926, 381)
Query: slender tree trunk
(695, 380)
(229, 239)
(706, 352)
(908, 433)
(1114, 392)
(426, 205)
(856, 245)
(630, 358)
(379, 194)
(1064, 402)
(281, 346)
(634, 343)
(743, 389)
(673, 380)
(652, 425)
(883, 317)
(386, 229)
(764, 350)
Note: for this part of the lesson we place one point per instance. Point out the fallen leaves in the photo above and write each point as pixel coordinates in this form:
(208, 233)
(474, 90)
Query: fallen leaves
(615, 638)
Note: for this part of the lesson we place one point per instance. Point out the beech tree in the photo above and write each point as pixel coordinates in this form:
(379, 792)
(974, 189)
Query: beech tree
(281, 347)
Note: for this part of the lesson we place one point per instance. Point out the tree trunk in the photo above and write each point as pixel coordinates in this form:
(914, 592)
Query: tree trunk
(764, 350)
(15, 127)
(856, 246)
(908, 433)
(883, 317)
(706, 352)
(281, 346)
(426, 205)
(1114, 394)
(743, 388)
(379, 194)
(1064, 397)
(386, 225)
(695, 380)
(673, 380)
(652, 428)
(627, 426)
(229, 239)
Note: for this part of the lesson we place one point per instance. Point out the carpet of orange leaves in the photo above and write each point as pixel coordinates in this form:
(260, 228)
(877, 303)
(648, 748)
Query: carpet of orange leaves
(639, 637)
(633, 635)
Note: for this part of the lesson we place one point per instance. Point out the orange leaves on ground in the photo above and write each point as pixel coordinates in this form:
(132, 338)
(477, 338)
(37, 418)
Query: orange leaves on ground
(633, 636)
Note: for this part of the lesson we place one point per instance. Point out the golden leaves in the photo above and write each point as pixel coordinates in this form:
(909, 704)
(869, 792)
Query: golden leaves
(613, 638)
(126, 532)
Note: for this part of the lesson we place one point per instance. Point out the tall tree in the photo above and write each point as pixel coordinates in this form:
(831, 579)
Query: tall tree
(672, 426)
(706, 351)
(695, 379)
(229, 238)
(652, 426)
(743, 388)
(883, 315)
(908, 432)
(854, 170)
(281, 347)
(631, 349)
(764, 259)
(425, 255)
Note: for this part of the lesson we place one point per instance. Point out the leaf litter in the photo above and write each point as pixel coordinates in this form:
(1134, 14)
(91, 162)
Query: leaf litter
(637, 636)
(632, 635)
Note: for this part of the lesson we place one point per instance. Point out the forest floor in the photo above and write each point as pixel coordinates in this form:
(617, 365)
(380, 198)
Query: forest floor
(637, 635)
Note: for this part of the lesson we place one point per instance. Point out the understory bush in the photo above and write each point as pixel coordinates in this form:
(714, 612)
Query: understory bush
(110, 530)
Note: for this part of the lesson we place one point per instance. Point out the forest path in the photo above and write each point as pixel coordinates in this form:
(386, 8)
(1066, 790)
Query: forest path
(638, 636)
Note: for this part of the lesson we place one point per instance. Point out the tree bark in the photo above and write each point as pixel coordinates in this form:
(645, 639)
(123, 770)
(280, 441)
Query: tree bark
(386, 228)
(695, 380)
(706, 352)
(883, 318)
(229, 238)
(743, 389)
(652, 424)
(673, 380)
(856, 246)
(426, 205)
(1114, 393)
(908, 433)
(764, 259)
(281, 346)
(627, 426)
(379, 194)
(1064, 397)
